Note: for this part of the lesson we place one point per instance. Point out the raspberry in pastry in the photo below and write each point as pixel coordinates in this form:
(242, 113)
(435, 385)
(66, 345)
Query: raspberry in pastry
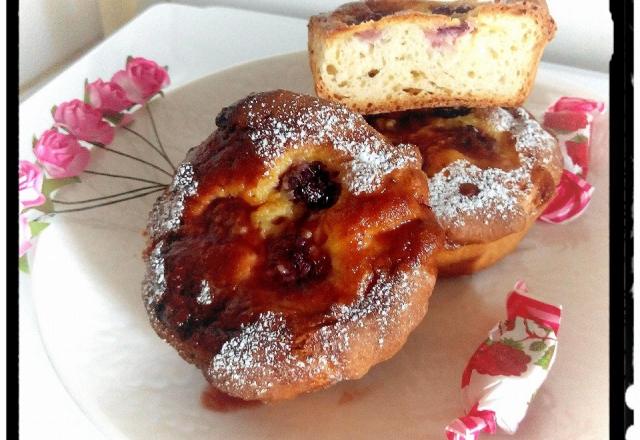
(294, 249)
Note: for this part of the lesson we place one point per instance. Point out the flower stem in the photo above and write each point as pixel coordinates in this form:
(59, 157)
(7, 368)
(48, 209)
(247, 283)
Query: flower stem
(120, 176)
(148, 142)
(155, 130)
(132, 157)
(78, 202)
(85, 208)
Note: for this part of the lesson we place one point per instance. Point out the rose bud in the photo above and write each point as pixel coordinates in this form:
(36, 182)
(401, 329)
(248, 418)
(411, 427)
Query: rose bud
(141, 79)
(83, 121)
(30, 180)
(61, 154)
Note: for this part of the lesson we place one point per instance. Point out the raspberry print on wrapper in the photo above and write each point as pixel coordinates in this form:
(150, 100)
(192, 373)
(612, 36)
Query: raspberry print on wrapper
(508, 368)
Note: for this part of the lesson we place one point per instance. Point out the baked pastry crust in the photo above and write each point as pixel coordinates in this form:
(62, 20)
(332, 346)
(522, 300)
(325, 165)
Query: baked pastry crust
(491, 173)
(469, 258)
(373, 56)
(294, 249)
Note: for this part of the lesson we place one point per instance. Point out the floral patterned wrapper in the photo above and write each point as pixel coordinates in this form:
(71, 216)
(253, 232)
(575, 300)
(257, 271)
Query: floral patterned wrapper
(508, 368)
(570, 119)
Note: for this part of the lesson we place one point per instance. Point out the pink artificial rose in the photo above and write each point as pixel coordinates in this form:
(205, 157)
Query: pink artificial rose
(141, 79)
(24, 235)
(107, 97)
(83, 121)
(60, 154)
(30, 180)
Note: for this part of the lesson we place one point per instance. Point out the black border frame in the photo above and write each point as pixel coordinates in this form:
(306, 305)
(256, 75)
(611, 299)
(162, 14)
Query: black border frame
(621, 220)
(620, 216)
(11, 288)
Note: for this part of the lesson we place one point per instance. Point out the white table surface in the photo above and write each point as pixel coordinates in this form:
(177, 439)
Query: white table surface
(193, 42)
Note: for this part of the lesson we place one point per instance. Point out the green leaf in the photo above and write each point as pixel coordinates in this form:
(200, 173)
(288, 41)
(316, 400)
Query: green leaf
(114, 119)
(51, 185)
(37, 227)
(53, 110)
(545, 359)
(511, 343)
(46, 207)
(545, 328)
(579, 139)
(129, 58)
(34, 141)
(23, 264)
(537, 346)
(85, 97)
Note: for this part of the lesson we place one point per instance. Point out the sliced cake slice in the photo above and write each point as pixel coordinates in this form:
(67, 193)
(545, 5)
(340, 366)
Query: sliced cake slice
(384, 55)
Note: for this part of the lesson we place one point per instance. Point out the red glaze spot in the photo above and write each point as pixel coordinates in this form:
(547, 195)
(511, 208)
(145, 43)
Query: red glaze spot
(215, 400)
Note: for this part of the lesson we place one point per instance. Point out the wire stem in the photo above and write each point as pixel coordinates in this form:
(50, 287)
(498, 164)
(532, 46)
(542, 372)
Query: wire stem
(148, 142)
(155, 130)
(85, 208)
(78, 202)
(121, 176)
(132, 157)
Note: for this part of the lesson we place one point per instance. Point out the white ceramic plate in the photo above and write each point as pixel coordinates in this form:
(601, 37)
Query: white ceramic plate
(87, 271)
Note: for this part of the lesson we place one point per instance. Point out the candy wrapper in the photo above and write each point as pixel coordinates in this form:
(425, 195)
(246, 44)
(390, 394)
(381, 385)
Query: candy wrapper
(570, 119)
(573, 195)
(508, 368)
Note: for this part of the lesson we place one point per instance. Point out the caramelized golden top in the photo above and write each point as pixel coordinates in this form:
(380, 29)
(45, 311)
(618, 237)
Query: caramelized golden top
(292, 210)
(365, 12)
(490, 170)
(361, 12)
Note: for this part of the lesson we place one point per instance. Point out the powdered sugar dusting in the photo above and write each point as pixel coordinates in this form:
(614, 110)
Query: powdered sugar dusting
(385, 301)
(500, 193)
(531, 138)
(263, 356)
(299, 125)
(204, 297)
(260, 354)
(155, 283)
(500, 119)
(166, 214)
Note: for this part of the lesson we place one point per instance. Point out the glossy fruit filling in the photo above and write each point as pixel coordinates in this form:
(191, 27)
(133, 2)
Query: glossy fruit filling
(447, 134)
